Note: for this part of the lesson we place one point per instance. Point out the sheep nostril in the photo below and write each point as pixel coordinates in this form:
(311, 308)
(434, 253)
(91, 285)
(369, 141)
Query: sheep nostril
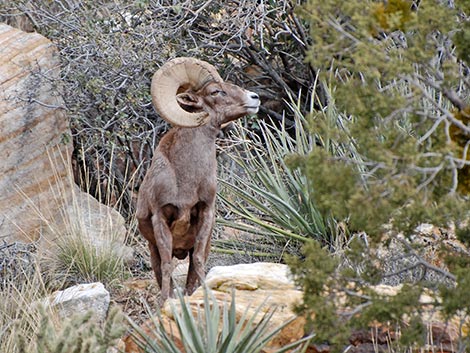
(254, 96)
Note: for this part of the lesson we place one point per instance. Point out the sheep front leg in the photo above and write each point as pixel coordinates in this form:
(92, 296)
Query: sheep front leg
(156, 263)
(164, 243)
(198, 257)
(146, 229)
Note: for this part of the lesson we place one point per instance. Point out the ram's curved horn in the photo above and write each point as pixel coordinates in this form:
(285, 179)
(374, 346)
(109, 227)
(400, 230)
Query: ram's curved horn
(176, 76)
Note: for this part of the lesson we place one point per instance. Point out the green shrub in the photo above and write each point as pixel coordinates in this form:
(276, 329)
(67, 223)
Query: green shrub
(80, 333)
(28, 326)
(395, 75)
(398, 71)
(339, 299)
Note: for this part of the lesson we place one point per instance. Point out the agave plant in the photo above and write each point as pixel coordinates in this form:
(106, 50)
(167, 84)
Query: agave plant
(272, 198)
(213, 329)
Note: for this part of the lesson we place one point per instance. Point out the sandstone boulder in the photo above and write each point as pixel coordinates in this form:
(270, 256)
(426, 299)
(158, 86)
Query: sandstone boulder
(38, 198)
(33, 132)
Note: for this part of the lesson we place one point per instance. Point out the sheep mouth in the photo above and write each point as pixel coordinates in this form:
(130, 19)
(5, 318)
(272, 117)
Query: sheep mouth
(252, 109)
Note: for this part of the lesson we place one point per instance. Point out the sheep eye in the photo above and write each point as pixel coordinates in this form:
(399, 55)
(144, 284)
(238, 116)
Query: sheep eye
(218, 92)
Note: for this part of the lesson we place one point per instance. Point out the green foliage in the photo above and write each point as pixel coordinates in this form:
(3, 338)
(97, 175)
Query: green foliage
(213, 330)
(462, 36)
(339, 300)
(391, 69)
(460, 140)
(314, 273)
(463, 234)
(393, 15)
(78, 334)
(453, 303)
(461, 39)
(28, 326)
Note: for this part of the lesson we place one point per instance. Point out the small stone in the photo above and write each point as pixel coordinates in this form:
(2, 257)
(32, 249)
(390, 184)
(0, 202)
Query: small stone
(261, 275)
(426, 229)
(80, 299)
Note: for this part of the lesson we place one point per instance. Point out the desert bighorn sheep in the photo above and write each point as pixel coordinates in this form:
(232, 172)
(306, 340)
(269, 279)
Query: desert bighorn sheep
(175, 206)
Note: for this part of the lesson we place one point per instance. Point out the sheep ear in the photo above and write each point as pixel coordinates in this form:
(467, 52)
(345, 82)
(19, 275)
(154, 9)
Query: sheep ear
(189, 101)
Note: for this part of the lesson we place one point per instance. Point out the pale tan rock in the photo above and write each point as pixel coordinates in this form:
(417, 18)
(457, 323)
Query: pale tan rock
(38, 197)
(261, 275)
(33, 125)
(96, 225)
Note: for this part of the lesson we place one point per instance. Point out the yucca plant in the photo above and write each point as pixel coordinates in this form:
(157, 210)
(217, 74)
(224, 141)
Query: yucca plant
(272, 198)
(213, 329)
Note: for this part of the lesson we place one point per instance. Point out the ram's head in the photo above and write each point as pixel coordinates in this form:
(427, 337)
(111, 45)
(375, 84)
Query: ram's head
(187, 92)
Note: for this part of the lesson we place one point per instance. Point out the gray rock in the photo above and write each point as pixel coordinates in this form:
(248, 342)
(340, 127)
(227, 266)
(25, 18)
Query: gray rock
(80, 299)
